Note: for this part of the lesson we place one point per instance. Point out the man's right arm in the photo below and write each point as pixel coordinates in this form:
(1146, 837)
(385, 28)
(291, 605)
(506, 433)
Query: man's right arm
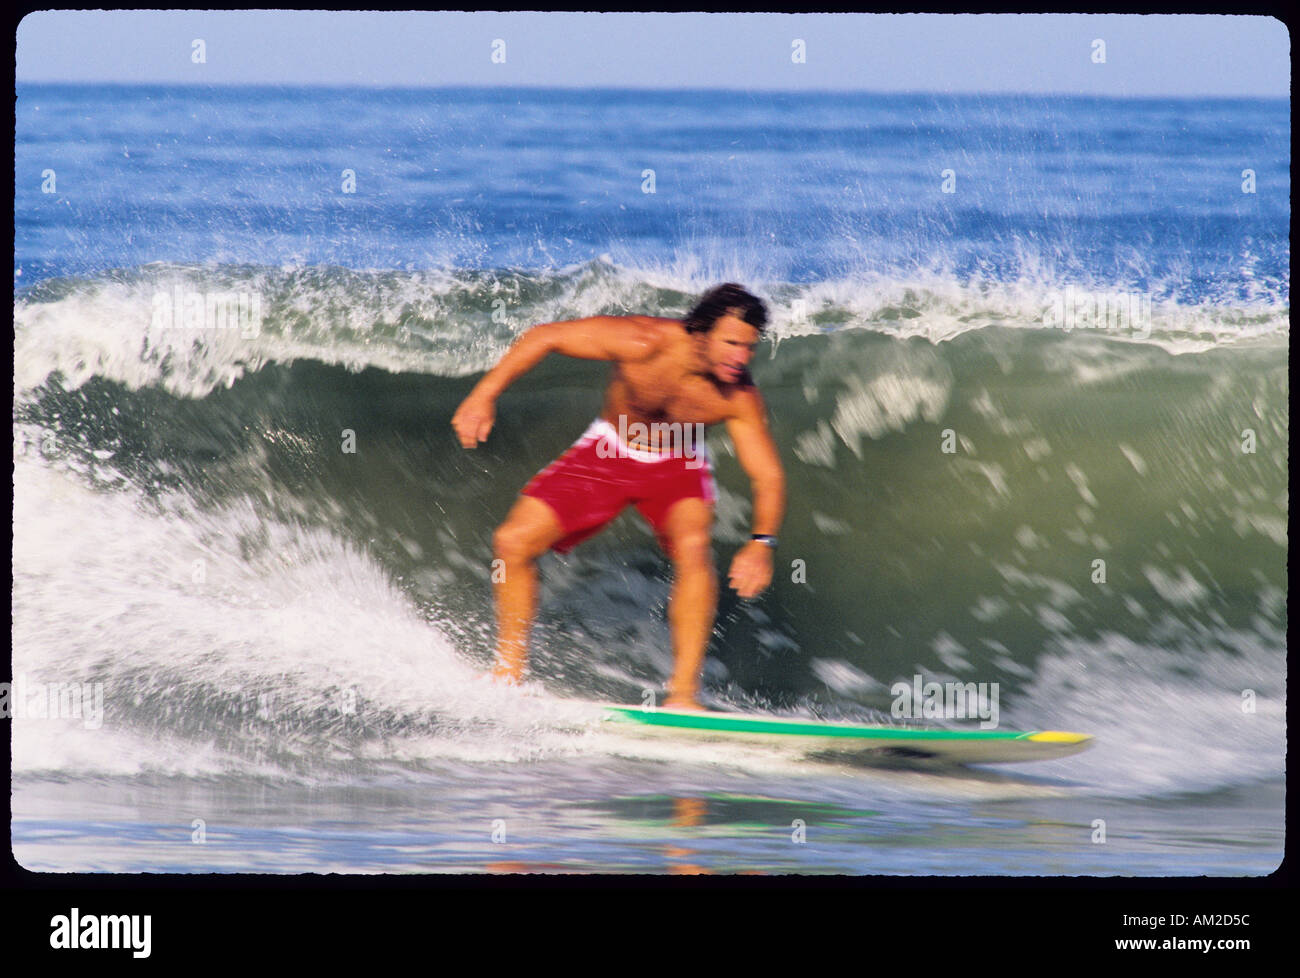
(594, 338)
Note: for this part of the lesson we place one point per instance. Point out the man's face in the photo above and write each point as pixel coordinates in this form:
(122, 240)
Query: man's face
(729, 346)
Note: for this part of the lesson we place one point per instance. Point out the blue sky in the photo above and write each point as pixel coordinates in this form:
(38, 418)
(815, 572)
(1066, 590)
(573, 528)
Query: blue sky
(1051, 53)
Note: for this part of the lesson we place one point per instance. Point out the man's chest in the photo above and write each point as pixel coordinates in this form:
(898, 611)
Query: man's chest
(665, 394)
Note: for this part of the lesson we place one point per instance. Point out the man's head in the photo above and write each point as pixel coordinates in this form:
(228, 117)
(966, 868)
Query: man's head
(728, 321)
(728, 299)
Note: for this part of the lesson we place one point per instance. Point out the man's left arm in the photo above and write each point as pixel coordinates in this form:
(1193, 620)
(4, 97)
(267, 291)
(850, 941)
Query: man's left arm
(751, 569)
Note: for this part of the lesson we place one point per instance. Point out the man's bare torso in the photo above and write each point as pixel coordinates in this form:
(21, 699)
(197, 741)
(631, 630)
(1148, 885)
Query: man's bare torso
(670, 385)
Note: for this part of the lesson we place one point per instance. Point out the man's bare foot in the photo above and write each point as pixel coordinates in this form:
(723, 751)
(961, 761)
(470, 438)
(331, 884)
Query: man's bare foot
(505, 677)
(682, 703)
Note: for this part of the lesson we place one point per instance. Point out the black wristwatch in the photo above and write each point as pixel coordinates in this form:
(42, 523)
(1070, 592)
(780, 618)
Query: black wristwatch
(764, 538)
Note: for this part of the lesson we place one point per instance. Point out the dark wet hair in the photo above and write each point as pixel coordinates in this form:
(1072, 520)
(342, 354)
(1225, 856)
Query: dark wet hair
(728, 299)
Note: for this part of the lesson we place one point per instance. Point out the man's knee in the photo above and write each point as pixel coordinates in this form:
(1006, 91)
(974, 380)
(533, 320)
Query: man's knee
(691, 549)
(513, 541)
(528, 531)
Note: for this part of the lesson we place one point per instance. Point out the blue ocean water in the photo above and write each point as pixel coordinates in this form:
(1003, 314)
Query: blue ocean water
(1124, 194)
(273, 618)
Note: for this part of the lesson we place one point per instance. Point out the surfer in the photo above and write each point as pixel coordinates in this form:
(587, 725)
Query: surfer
(671, 379)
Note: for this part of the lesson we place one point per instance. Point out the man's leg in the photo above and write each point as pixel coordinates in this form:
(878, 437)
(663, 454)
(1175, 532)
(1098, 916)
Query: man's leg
(528, 532)
(694, 600)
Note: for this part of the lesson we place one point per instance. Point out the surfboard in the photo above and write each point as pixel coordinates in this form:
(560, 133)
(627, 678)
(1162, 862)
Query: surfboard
(877, 743)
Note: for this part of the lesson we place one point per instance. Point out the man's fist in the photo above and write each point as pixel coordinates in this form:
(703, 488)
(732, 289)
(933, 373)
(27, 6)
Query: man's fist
(751, 569)
(473, 420)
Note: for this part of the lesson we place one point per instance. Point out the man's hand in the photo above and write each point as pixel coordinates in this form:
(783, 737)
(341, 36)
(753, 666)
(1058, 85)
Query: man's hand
(751, 569)
(473, 419)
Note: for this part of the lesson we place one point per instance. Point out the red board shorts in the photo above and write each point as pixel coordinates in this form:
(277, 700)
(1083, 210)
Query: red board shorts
(587, 488)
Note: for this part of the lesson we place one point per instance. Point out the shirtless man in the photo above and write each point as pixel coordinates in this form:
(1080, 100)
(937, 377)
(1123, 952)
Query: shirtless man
(686, 374)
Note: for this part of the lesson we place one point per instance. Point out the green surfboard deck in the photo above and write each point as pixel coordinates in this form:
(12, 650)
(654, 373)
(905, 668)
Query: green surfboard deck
(957, 746)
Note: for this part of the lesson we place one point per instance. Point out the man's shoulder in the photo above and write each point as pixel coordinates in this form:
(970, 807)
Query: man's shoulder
(658, 324)
(630, 338)
(647, 335)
